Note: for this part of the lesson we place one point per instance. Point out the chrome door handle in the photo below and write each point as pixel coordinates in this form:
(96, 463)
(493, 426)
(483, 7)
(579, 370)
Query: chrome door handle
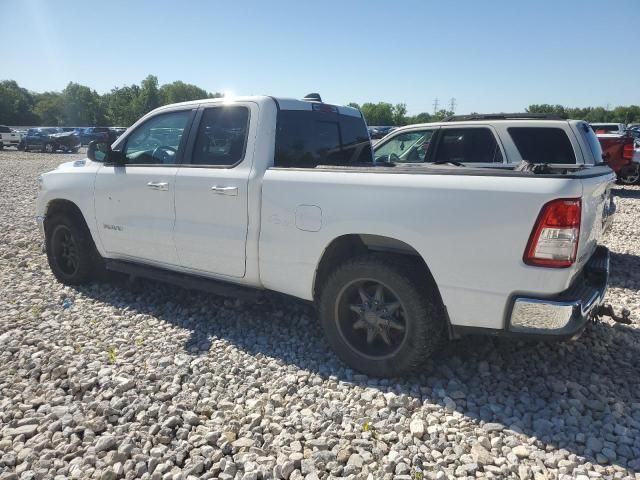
(233, 191)
(158, 185)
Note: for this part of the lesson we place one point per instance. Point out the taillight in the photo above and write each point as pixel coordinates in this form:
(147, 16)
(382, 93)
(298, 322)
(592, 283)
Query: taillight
(554, 240)
(627, 151)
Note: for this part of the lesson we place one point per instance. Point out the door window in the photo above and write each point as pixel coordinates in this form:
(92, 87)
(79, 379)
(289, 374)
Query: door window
(158, 140)
(468, 145)
(409, 147)
(222, 136)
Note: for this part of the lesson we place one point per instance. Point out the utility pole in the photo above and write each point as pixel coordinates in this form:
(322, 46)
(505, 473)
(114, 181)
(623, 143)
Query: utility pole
(452, 105)
(436, 103)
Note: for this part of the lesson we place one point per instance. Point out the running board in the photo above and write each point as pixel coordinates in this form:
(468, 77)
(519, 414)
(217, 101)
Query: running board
(191, 282)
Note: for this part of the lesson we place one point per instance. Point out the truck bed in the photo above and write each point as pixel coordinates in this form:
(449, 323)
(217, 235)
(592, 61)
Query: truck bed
(470, 225)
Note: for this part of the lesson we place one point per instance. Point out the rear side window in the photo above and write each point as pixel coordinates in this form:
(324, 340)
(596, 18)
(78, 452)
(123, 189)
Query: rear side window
(543, 145)
(310, 138)
(221, 136)
(468, 145)
(4, 129)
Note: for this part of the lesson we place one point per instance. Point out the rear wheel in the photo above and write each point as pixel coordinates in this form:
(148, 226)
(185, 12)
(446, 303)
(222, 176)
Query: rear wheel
(630, 176)
(70, 250)
(379, 317)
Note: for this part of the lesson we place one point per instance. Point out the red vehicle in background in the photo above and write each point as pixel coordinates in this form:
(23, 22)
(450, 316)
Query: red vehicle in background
(617, 152)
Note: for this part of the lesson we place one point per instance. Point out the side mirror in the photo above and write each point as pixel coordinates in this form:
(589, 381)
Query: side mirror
(101, 152)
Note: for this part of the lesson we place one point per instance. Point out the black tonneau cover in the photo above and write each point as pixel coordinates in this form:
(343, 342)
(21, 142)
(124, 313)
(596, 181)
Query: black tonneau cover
(578, 171)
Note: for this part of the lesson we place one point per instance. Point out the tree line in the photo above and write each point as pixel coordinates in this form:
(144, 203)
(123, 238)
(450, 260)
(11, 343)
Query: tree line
(79, 105)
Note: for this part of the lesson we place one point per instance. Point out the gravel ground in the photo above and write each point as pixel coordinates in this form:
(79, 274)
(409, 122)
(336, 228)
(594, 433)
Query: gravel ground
(150, 381)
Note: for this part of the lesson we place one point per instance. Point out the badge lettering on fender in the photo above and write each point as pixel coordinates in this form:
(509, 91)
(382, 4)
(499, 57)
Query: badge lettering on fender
(117, 228)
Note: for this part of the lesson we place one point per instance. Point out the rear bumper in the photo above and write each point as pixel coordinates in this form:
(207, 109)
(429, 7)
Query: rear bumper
(556, 317)
(566, 314)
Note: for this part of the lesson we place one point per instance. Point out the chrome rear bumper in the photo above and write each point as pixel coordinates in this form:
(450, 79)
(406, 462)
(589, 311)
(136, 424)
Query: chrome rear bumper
(563, 315)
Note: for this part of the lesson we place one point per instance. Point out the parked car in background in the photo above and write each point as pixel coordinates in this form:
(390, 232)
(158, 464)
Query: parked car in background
(287, 197)
(618, 150)
(615, 128)
(115, 132)
(50, 140)
(379, 132)
(90, 134)
(8, 138)
(492, 140)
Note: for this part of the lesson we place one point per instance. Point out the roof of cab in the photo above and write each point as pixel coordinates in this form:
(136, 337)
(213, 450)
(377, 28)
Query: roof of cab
(283, 103)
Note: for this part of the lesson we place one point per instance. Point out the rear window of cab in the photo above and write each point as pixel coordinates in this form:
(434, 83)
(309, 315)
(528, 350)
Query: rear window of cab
(543, 144)
(308, 138)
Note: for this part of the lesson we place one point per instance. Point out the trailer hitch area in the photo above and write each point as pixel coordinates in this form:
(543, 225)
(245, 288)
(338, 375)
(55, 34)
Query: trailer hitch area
(606, 310)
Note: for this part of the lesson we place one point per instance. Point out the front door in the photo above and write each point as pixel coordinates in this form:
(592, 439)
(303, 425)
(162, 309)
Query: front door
(212, 191)
(134, 201)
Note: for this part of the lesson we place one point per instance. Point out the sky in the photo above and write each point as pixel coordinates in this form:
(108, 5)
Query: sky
(490, 55)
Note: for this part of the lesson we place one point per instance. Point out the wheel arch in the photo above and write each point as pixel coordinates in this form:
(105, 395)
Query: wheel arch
(348, 246)
(63, 206)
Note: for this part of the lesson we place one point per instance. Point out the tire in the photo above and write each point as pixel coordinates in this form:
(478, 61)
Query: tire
(630, 177)
(413, 330)
(1, 146)
(48, 148)
(71, 253)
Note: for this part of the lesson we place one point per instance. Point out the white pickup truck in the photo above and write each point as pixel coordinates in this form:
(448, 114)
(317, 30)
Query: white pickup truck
(8, 138)
(285, 195)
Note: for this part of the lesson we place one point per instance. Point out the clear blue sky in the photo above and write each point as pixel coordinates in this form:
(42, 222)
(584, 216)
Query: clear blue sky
(491, 55)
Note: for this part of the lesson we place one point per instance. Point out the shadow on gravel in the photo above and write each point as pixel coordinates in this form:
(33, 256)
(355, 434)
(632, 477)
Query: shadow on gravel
(624, 270)
(581, 396)
(626, 192)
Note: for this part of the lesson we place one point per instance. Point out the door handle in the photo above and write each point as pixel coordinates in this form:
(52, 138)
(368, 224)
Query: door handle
(232, 191)
(158, 185)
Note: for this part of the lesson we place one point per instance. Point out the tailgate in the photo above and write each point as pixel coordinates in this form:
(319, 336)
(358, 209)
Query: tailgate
(597, 207)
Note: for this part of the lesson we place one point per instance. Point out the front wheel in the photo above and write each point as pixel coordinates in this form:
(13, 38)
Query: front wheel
(379, 317)
(70, 250)
(48, 148)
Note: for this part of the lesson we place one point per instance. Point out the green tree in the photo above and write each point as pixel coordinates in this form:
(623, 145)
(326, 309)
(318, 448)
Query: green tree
(82, 106)
(16, 104)
(399, 114)
(441, 115)
(378, 113)
(149, 96)
(49, 108)
(423, 117)
(354, 105)
(121, 105)
(183, 92)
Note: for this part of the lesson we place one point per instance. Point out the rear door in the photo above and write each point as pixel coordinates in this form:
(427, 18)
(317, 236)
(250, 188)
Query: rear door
(211, 196)
(134, 202)
(469, 144)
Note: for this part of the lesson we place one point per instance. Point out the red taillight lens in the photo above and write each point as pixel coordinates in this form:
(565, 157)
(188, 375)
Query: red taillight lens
(554, 240)
(627, 151)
